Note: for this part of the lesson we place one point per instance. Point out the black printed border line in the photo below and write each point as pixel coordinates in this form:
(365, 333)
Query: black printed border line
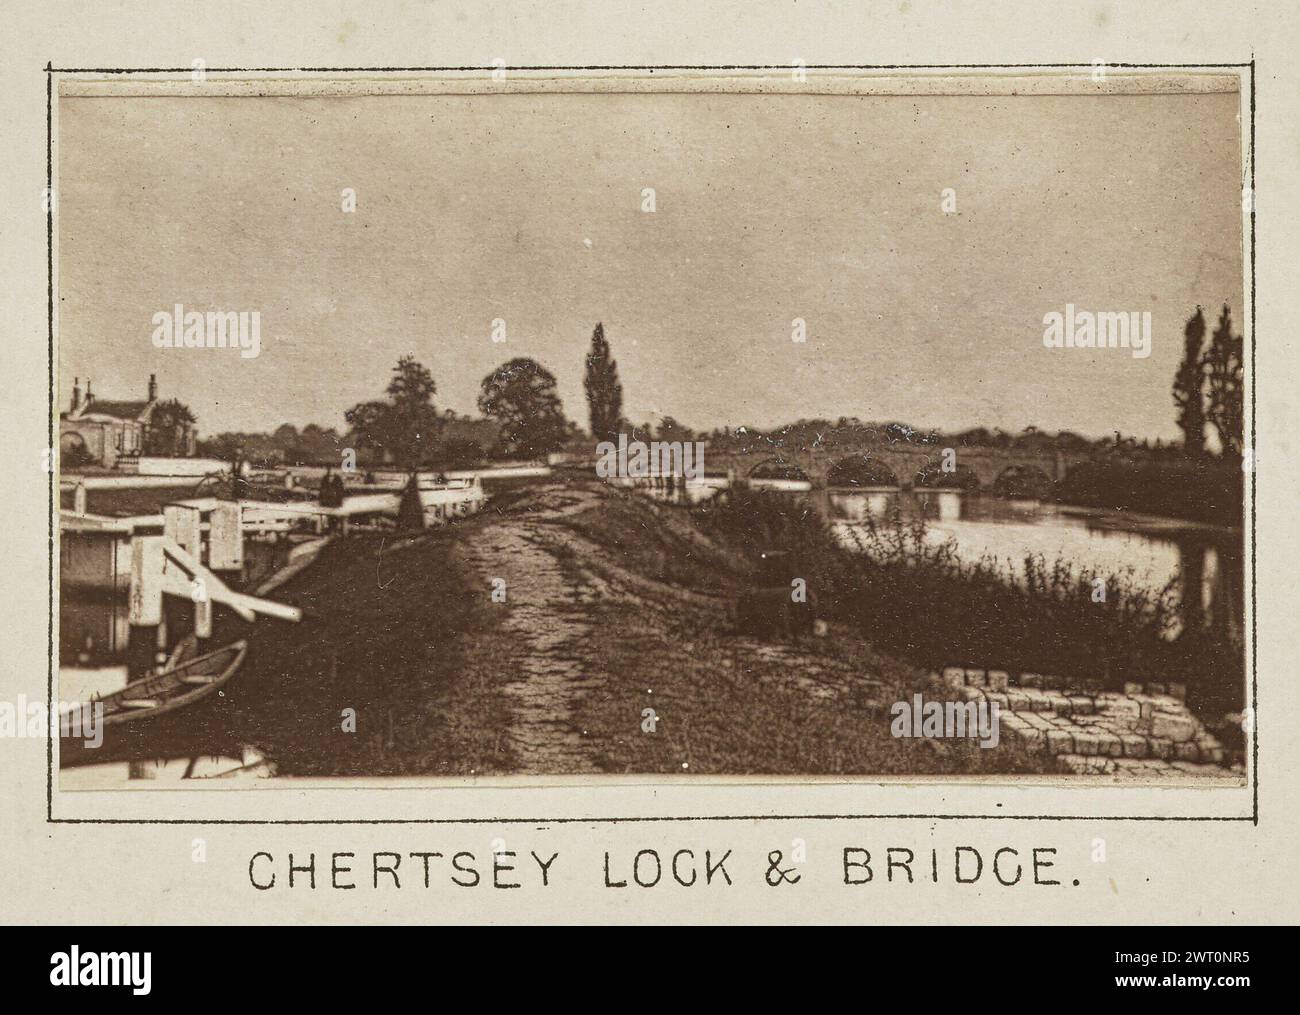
(50, 70)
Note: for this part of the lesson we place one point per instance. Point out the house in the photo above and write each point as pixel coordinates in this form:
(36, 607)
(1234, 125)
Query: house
(111, 434)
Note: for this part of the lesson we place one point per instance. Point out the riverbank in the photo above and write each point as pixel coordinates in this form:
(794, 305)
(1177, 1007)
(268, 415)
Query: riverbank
(573, 628)
(611, 652)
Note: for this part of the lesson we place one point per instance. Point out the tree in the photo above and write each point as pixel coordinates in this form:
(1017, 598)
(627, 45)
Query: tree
(406, 426)
(168, 425)
(222, 446)
(1224, 371)
(521, 396)
(1189, 384)
(458, 453)
(604, 392)
(670, 430)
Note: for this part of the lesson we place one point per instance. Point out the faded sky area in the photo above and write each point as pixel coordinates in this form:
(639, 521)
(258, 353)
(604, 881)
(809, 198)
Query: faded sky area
(528, 208)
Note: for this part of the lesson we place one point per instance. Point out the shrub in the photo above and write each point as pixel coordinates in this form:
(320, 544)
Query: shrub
(913, 597)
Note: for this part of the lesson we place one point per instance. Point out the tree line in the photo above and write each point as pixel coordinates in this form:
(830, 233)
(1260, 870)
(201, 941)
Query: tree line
(519, 398)
(523, 417)
(1209, 387)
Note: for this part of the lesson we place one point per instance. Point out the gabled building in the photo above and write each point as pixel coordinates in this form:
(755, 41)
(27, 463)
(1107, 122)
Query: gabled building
(107, 433)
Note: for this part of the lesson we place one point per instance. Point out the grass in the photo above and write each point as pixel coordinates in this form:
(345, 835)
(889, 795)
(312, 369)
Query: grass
(390, 631)
(392, 634)
(401, 631)
(730, 705)
(916, 599)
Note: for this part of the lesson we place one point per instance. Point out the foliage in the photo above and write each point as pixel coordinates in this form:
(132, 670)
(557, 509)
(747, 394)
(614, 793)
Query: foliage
(1189, 398)
(1204, 489)
(521, 396)
(604, 392)
(458, 453)
(167, 427)
(1224, 372)
(913, 597)
(406, 426)
(671, 431)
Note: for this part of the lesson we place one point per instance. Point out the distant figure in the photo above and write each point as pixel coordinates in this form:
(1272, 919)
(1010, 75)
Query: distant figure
(329, 490)
(340, 492)
(410, 510)
(239, 488)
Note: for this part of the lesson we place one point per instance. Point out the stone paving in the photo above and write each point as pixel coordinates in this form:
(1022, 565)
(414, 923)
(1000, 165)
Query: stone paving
(1143, 732)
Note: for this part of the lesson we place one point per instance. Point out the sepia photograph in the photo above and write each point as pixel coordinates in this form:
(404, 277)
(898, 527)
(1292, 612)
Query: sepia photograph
(775, 423)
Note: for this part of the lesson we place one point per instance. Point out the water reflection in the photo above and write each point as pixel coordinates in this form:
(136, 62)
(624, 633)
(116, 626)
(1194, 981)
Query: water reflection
(1205, 564)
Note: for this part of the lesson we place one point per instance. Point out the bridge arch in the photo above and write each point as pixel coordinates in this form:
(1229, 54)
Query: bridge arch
(860, 470)
(932, 476)
(1023, 481)
(777, 468)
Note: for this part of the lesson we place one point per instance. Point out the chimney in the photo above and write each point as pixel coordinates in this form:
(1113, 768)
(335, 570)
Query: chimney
(89, 396)
(153, 387)
(76, 393)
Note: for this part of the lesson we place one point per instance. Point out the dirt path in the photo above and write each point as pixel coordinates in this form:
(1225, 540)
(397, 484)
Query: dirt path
(546, 629)
(559, 584)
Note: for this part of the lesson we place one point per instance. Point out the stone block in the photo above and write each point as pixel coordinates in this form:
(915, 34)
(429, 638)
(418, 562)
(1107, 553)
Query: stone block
(1178, 728)
(1120, 707)
(1034, 737)
(1058, 703)
(1059, 742)
(954, 676)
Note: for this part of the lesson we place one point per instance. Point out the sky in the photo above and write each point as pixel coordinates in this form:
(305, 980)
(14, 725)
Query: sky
(528, 209)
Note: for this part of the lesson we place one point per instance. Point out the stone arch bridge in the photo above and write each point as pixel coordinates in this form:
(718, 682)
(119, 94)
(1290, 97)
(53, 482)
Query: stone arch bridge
(984, 464)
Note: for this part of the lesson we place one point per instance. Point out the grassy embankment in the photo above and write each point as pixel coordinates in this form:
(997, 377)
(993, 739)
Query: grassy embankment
(727, 704)
(411, 633)
(916, 600)
(392, 630)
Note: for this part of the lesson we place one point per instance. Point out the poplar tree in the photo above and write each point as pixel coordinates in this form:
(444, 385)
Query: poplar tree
(604, 392)
(1189, 384)
(1224, 371)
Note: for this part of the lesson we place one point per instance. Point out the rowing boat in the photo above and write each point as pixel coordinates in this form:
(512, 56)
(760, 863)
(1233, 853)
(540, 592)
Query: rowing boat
(178, 685)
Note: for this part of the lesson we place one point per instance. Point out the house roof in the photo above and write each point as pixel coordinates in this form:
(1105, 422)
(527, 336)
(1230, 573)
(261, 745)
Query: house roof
(116, 410)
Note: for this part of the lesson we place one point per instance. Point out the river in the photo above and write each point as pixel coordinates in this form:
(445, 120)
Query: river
(1150, 551)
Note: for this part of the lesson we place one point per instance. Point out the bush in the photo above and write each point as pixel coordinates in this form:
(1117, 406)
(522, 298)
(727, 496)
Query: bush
(1205, 490)
(457, 453)
(916, 599)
